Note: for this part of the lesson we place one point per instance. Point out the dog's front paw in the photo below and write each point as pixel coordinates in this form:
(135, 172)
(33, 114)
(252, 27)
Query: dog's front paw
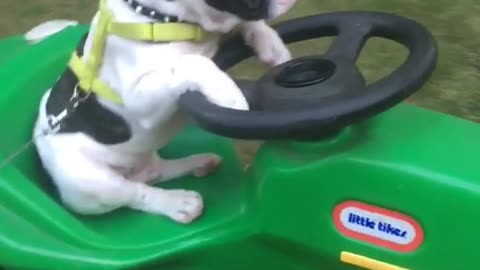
(198, 73)
(184, 206)
(266, 42)
(205, 164)
(225, 93)
(236, 102)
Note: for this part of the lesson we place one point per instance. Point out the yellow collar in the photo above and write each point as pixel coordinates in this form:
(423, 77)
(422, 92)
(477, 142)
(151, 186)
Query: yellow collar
(157, 32)
(87, 72)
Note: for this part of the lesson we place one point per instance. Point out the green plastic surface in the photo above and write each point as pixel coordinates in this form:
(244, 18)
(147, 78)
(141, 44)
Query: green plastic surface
(279, 215)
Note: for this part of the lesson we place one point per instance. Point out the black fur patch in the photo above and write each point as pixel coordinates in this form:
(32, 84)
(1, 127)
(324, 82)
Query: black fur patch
(250, 10)
(90, 117)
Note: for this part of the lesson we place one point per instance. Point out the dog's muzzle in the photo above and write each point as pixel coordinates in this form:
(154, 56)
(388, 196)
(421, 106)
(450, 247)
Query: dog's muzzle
(250, 10)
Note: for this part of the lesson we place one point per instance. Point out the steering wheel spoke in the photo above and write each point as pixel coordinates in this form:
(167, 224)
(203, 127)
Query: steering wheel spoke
(349, 43)
(248, 88)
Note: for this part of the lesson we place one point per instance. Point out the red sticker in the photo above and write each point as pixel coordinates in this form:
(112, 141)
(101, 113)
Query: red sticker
(378, 226)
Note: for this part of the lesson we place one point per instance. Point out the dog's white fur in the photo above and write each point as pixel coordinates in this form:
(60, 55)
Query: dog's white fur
(93, 178)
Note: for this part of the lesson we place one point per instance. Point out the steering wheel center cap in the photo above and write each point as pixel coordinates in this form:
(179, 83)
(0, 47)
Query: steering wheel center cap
(304, 72)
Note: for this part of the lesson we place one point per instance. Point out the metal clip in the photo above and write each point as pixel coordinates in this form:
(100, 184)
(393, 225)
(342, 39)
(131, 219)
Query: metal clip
(54, 121)
(77, 97)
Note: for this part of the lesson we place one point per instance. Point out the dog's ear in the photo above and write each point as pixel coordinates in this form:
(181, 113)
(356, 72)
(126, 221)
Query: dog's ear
(280, 7)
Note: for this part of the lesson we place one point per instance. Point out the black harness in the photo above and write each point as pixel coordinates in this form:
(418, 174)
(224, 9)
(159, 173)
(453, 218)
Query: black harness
(90, 117)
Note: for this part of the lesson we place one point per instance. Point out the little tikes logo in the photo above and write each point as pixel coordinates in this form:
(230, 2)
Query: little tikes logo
(378, 226)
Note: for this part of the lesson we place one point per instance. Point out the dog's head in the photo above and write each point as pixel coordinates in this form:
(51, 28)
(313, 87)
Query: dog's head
(222, 15)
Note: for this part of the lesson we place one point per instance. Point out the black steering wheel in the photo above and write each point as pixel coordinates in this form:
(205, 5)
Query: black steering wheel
(311, 97)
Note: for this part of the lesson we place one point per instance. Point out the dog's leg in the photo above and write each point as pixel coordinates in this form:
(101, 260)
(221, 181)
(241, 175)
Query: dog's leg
(92, 188)
(199, 73)
(161, 170)
(110, 191)
(154, 97)
(183, 206)
(266, 42)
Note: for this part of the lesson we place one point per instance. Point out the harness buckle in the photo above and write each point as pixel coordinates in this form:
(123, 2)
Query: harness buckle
(80, 96)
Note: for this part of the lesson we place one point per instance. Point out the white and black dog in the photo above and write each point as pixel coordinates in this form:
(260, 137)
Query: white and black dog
(105, 155)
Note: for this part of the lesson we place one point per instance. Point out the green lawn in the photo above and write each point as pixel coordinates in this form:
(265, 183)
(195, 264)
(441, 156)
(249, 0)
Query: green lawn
(454, 88)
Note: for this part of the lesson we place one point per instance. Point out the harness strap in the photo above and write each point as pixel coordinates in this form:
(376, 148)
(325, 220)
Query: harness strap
(87, 72)
(88, 82)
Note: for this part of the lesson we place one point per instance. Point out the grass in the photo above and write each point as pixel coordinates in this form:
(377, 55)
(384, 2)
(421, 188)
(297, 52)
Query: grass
(454, 88)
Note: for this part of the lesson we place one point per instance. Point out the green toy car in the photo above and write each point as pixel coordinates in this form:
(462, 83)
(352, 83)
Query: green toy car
(348, 178)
